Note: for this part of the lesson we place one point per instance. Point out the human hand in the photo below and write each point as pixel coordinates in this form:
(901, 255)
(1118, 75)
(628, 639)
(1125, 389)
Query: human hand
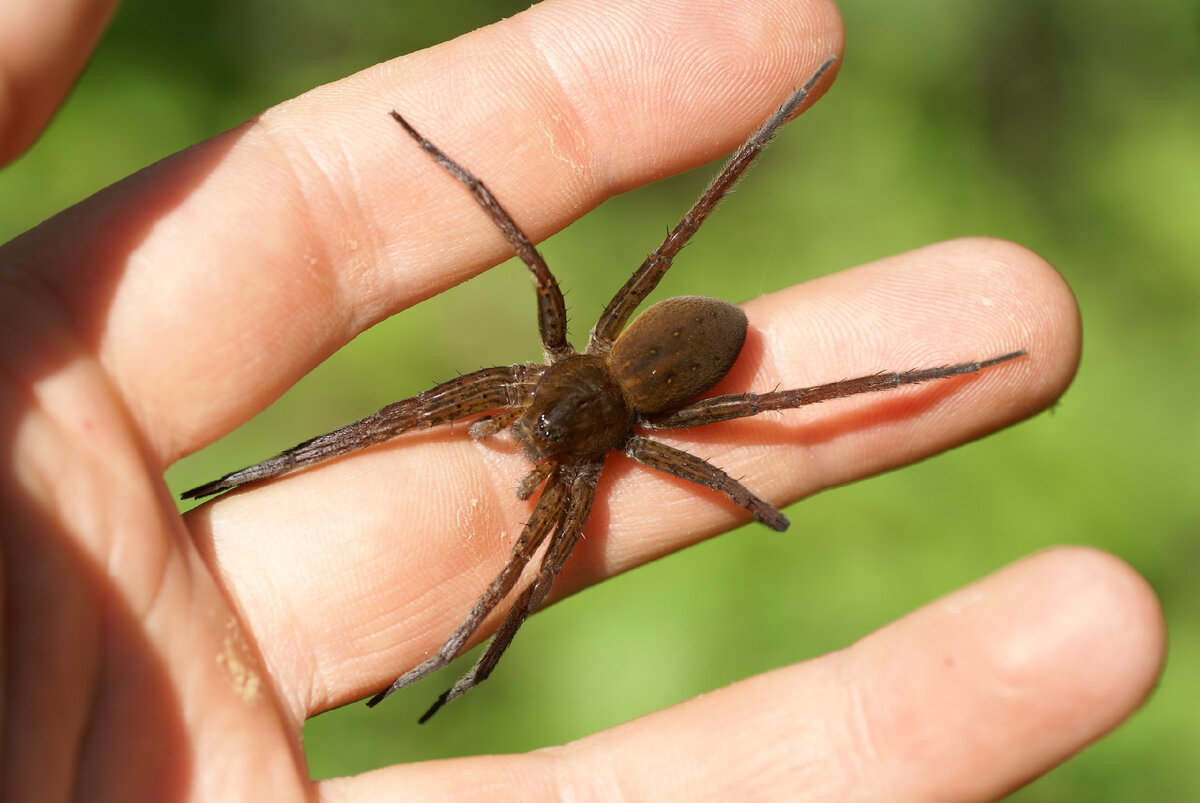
(152, 658)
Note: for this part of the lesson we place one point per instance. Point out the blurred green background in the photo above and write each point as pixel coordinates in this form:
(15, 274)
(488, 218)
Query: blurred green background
(1072, 127)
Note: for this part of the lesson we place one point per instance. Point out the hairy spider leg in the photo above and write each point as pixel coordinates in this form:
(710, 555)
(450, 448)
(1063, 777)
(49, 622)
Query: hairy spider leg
(547, 515)
(647, 276)
(552, 310)
(469, 394)
(562, 542)
(741, 405)
(688, 467)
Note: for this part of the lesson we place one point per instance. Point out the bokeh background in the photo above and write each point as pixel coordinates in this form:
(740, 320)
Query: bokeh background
(1072, 127)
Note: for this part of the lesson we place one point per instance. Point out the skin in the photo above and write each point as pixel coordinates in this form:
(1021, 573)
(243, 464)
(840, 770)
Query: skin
(192, 650)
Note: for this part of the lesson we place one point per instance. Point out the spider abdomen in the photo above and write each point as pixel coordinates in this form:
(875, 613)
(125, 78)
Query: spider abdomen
(676, 350)
(578, 409)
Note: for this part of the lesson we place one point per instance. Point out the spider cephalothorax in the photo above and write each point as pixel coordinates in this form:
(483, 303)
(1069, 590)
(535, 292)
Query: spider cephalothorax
(569, 413)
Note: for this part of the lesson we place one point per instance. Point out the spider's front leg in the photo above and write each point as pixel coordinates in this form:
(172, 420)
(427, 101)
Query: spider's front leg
(477, 392)
(581, 494)
(560, 512)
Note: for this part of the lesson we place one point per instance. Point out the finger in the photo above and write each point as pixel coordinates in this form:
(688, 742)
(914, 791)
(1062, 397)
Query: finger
(254, 256)
(954, 302)
(966, 699)
(44, 46)
(369, 563)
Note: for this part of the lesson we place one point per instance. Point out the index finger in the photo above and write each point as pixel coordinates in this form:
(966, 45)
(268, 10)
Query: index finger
(211, 282)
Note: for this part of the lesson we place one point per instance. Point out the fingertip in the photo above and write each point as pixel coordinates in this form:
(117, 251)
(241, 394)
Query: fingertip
(1048, 320)
(43, 54)
(994, 684)
(1102, 632)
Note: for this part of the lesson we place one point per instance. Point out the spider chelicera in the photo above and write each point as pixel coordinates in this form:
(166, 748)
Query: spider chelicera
(569, 413)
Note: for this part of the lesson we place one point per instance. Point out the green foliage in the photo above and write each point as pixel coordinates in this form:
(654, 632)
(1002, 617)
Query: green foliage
(1071, 127)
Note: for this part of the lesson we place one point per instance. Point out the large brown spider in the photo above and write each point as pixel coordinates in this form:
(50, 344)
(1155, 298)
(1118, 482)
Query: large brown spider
(569, 413)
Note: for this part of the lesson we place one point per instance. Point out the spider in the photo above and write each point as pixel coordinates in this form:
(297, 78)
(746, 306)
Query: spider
(570, 412)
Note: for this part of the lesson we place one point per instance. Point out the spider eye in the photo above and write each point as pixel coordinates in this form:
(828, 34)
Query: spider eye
(547, 432)
(578, 409)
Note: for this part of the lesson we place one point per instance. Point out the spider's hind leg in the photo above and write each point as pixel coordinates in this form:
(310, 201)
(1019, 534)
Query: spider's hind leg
(647, 276)
(743, 405)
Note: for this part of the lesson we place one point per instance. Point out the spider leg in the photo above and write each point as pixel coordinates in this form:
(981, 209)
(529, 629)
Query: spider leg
(646, 277)
(741, 405)
(694, 469)
(547, 514)
(476, 392)
(562, 542)
(552, 310)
